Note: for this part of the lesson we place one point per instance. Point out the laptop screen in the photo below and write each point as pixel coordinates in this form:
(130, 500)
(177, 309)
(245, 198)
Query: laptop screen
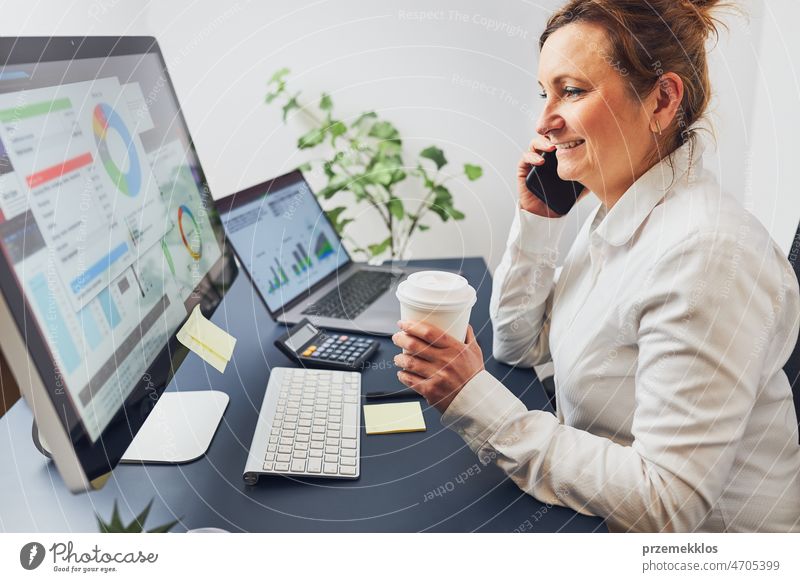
(282, 237)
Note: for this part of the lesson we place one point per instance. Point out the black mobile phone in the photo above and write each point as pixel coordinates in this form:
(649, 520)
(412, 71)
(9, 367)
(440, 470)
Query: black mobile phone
(543, 181)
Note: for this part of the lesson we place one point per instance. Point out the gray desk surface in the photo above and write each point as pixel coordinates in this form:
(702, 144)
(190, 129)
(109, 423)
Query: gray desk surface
(398, 472)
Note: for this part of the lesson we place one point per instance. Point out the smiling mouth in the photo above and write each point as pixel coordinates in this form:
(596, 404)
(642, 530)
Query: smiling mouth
(569, 144)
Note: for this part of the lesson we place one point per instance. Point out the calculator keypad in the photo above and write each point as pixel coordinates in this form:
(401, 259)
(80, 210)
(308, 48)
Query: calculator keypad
(340, 349)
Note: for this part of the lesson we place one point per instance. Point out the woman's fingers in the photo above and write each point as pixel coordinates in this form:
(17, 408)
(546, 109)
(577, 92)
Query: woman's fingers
(415, 346)
(541, 144)
(430, 334)
(420, 367)
(532, 158)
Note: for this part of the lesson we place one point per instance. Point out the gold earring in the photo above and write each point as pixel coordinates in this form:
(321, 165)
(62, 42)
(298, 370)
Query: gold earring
(658, 127)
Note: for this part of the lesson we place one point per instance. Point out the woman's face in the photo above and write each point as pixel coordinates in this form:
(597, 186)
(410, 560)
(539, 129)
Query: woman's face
(602, 133)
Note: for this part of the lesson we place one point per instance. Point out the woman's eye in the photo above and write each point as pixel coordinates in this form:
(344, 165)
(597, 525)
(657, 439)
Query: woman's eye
(543, 95)
(572, 91)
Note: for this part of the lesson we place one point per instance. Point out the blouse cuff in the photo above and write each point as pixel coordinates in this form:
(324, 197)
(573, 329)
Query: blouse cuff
(480, 409)
(538, 235)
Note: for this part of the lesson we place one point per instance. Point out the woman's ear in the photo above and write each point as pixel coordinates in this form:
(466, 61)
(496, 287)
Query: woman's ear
(668, 94)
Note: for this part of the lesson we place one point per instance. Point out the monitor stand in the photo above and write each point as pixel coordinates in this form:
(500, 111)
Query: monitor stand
(178, 430)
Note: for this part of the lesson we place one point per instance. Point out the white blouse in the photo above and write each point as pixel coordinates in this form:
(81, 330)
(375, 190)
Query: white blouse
(668, 329)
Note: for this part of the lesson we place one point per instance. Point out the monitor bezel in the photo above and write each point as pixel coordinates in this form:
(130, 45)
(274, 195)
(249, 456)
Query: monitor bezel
(98, 458)
(262, 190)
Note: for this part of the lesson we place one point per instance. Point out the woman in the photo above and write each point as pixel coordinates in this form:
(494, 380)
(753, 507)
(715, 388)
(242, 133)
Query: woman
(672, 318)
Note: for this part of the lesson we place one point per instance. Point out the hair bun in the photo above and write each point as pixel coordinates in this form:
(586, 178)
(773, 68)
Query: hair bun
(702, 4)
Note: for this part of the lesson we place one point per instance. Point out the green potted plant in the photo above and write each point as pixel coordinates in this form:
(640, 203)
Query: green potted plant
(115, 525)
(365, 158)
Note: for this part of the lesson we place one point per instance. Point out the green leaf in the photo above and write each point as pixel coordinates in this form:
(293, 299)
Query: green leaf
(442, 196)
(335, 184)
(442, 202)
(472, 171)
(396, 208)
(364, 117)
(358, 188)
(278, 76)
(423, 227)
(311, 139)
(390, 147)
(456, 214)
(380, 248)
(384, 130)
(305, 167)
(290, 104)
(336, 129)
(325, 103)
(435, 155)
(116, 520)
(386, 171)
(137, 525)
(334, 213)
(278, 79)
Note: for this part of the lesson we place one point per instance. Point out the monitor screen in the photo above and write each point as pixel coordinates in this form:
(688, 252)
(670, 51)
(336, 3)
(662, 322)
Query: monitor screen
(283, 238)
(107, 230)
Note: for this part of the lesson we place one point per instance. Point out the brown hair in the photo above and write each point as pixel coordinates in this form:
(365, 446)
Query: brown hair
(649, 38)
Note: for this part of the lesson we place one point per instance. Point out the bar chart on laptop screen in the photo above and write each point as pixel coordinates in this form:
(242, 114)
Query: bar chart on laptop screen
(285, 242)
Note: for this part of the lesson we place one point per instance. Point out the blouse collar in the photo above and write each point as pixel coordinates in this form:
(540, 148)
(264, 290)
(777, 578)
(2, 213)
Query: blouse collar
(638, 201)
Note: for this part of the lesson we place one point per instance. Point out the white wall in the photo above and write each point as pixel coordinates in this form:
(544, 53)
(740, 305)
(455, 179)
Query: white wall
(773, 156)
(447, 79)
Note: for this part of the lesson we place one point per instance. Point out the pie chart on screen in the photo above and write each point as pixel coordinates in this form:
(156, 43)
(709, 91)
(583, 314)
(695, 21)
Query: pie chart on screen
(190, 232)
(109, 127)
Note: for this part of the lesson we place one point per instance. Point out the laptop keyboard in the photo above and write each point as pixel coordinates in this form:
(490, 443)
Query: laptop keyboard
(353, 296)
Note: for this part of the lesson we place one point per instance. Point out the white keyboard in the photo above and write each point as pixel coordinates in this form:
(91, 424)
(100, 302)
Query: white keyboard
(309, 426)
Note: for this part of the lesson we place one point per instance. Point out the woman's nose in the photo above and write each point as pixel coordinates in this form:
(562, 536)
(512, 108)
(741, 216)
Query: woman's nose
(549, 119)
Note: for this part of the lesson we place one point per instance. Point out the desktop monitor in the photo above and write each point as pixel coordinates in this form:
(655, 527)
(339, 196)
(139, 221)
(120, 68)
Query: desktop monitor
(108, 239)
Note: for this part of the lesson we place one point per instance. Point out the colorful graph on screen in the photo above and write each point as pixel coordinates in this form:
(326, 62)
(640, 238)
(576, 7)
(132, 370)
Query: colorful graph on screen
(323, 248)
(190, 232)
(279, 278)
(105, 121)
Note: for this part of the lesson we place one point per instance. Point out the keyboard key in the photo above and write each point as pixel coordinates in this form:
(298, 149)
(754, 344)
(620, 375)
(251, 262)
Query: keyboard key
(268, 466)
(315, 454)
(300, 454)
(284, 449)
(349, 462)
(314, 465)
(298, 466)
(348, 443)
(332, 450)
(331, 458)
(331, 468)
(348, 470)
(348, 453)
(282, 467)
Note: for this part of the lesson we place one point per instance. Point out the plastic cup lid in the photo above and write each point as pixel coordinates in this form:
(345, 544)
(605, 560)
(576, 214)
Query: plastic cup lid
(436, 289)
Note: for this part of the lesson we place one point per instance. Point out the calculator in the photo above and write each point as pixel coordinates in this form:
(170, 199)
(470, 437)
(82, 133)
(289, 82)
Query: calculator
(313, 347)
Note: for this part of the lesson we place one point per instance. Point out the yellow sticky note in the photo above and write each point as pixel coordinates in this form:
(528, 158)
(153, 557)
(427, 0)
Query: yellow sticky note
(394, 417)
(208, 341)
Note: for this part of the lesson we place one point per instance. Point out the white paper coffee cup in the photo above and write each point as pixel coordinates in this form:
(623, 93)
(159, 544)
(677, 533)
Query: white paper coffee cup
(437, 297)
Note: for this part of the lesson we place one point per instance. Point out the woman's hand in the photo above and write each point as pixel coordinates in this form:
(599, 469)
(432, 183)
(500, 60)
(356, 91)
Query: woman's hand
(436, 365)
(527, 199)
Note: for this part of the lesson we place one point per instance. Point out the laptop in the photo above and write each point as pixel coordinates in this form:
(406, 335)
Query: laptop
(298, 264)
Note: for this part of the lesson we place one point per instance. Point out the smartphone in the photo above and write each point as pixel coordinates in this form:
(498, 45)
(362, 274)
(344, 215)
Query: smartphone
(543, 181)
